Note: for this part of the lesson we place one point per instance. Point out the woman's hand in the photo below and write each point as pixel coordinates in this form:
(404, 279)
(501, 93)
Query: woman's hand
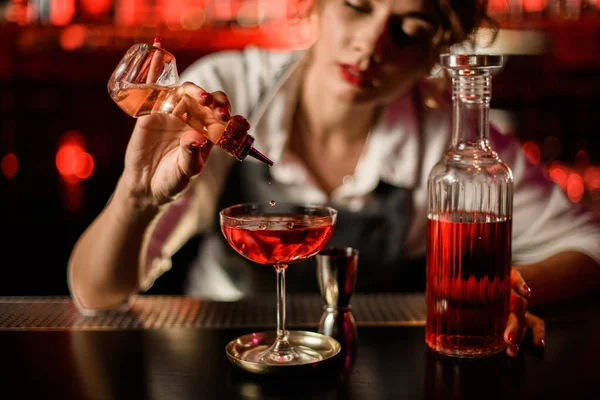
(519, 319)
(164, 152)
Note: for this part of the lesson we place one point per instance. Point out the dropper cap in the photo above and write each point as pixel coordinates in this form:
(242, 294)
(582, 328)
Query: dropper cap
(236, 141)
(247, 149)
(260, 156)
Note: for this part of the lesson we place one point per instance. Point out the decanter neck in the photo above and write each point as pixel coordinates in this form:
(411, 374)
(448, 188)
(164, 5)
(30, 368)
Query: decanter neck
(471, 94)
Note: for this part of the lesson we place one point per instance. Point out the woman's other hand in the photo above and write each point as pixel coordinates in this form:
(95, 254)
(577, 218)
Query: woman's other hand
(519, 319)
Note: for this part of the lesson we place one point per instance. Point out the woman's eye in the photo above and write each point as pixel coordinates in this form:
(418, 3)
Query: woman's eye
(399, 37)
(403, 39)
(356, 7)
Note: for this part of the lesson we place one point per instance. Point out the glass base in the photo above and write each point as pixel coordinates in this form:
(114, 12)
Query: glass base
(461, 346)
(293, 355)
(303, 352)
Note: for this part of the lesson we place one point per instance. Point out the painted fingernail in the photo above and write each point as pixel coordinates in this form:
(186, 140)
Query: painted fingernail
(206, 98)
(512, 338)
(196, 144)
(157, 39)
(224, 112)
(542, 343)
(526, 290)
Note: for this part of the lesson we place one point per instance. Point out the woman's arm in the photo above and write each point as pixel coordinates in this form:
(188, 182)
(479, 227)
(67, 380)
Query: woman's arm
(130, 243)
(104, 267)
(556, 244)
(129, 246)
(163, 157)
(564, 275)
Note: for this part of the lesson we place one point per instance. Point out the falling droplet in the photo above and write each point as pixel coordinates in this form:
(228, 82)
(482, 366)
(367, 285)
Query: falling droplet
(272, 203)
(262, 227)
(290, 225)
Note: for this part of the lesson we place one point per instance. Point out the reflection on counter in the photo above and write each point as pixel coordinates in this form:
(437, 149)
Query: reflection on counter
(447, 378)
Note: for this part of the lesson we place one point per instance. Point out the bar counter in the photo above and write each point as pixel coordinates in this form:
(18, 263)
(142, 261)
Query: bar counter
(171, 347)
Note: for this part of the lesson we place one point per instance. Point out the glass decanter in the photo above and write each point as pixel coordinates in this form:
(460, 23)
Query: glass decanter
(469, 223)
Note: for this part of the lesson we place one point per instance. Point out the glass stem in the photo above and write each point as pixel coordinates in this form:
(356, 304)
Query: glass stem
(281, 332)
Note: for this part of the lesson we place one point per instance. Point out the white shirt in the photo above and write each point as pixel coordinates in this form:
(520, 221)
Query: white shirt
(544, 221)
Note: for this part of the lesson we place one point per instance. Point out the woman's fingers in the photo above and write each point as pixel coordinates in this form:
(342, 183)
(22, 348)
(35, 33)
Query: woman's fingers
(206, 112)
(197, 93)
(217, 102)
(195, 149)
(221, 100)
(221, 106)
(538, 329)
(516, 326)
(155, 68)
(518, 283)
(195, 109)
(206, 98)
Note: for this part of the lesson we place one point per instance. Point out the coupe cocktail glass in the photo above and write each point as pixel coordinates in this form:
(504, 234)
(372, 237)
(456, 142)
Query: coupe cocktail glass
(278, 235)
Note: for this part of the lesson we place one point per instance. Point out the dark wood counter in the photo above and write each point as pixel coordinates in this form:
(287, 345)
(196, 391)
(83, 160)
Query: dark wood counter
(183, 356)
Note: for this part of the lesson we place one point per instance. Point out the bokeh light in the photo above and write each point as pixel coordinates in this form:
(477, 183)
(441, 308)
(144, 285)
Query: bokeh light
(534, 5)
(95, 7)
(575, 188)
(10, 165)
(558, 174)
(72, 37)
(62, 12)
(192, 19)
(72, 161)
(532, 152)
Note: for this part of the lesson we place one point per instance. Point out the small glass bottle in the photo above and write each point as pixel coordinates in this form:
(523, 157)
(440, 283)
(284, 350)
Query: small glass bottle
(469, 223)
(146, 82)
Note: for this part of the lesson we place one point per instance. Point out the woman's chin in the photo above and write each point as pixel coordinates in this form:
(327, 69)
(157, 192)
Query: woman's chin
(348, 92)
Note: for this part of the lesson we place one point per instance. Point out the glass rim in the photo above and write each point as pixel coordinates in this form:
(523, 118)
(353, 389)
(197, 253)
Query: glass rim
(339, 252)
(258, 205)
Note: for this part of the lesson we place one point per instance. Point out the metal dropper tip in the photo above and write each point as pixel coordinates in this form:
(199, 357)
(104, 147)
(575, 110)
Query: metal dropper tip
(260, 157)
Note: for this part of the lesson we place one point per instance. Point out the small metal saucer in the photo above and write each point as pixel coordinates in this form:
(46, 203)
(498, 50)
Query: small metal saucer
(326, 347)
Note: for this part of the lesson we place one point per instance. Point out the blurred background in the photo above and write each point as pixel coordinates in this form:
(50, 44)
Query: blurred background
(62, 139)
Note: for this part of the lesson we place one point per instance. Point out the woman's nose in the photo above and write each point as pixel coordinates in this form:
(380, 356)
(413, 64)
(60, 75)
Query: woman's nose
(372, 40)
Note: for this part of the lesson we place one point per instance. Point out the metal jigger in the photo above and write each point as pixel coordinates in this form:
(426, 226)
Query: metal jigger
(336, 274)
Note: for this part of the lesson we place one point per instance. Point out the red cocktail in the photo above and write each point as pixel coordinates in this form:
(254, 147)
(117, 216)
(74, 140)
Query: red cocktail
(278, 235)
(278, 239)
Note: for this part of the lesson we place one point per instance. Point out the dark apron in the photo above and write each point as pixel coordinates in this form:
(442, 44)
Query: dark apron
(378, 231)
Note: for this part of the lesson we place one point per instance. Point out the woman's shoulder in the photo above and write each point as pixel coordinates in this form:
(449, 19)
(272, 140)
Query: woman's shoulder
(252, 62)
(242, 74)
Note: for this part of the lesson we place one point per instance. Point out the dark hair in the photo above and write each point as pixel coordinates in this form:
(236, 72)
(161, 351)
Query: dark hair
(460, 20)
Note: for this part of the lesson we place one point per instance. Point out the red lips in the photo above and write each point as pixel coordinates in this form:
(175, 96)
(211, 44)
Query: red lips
(356, 76)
